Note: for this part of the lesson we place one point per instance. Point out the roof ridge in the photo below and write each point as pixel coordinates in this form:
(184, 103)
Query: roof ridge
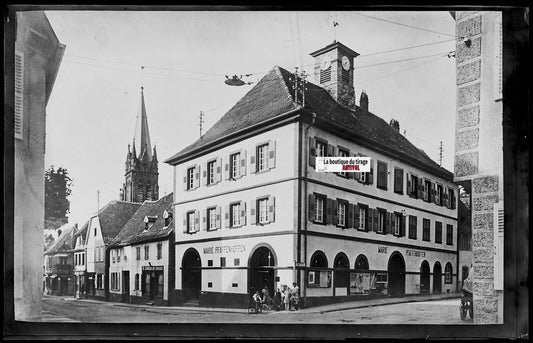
(277, 69)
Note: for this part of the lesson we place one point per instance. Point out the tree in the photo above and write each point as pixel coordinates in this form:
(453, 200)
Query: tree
(57, 187)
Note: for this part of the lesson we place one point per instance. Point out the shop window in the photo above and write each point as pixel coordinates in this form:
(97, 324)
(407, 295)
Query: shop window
(160, 284)
(449, 234)
(412, 227)
(398, 180)
(146, 284)
(137, 282)
(425, 230)
(448, 273)
(438, 232)
(319, 275)
(114, 282)
(382, 175)
(341, 277)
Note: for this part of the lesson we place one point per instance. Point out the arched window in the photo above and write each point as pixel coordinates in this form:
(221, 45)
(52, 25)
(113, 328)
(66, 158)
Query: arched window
(319, 260)
(448, 273)
(361, 263)
(319, 276)
(341, 277)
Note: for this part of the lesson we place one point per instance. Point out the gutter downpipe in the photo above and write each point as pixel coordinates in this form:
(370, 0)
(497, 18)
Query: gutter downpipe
(306, 163)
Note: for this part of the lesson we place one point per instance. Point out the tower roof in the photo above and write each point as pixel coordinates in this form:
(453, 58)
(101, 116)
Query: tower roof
(142, 134)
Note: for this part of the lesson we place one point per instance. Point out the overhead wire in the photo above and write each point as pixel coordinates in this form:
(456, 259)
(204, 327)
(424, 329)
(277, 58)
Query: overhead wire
(401, 71)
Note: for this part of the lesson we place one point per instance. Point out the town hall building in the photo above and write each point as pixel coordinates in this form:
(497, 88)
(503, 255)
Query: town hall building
(252, 211)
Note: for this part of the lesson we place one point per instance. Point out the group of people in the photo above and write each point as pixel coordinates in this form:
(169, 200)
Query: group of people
(285, 299)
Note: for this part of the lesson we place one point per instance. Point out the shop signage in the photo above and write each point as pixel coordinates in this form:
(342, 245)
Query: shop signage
(224, 249)
(382, 250)
(153, 268)
(415, 253)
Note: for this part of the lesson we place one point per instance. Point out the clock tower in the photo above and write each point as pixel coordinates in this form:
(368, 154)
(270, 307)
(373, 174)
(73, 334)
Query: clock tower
(141, 172)
(334, 71)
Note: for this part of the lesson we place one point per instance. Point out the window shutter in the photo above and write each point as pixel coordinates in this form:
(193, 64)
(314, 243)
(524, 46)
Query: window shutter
(253, 217)
(312, 152)
(185, 222)
(226, 215)
(453, 200)
(403, 225)
(252, 164)
(219, 217)
(392, 222)
(219, 170)
(437, 195)
(242, 169)
(375, 216)
(311, 207)
(398, 178)
(329, 207)
(271, 209)
(185, 180)
(356, 216)
(432, 192)
(271, 154)
(226, 171)
(204, 174)
(19, 95)
(424, 191)
(197, 177)
(331, 150)
(196, 221)
(204, 220)
(349, 215)
(243, 213)
(334, 214)
(409, 188)
(370, 178)
(498, 245)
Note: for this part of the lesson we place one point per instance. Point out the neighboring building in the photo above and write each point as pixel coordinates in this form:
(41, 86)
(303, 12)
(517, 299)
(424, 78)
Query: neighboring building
(465, 240)
(80, 262)
(141, 269)
(253, 211)
(59, 264)
(141, 170)
(102, 229)
(479, 151)
(38, 54)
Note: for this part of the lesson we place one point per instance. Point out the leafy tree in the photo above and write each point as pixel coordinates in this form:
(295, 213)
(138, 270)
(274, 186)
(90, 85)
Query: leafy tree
(48, 241)
(57, 187)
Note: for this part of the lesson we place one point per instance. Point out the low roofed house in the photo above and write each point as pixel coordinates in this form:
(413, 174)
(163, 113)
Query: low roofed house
(101, 230)
(59, 264)
(142, 256)
(80, 261)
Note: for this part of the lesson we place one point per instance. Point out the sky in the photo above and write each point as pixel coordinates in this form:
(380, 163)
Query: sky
(93, 107)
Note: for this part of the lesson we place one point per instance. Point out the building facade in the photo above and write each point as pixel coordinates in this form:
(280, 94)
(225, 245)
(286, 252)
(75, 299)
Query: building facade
(254, 212)
(59, 264)
(141, 169)
(102, 229)
(80, 263)
(37, 57)
(479, 151)
(141, 269)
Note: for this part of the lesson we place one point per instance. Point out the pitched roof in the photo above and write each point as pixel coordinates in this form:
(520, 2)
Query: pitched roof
(272, 97)
(142, 134)
(63, 243)
(134, 230)
(114, 216)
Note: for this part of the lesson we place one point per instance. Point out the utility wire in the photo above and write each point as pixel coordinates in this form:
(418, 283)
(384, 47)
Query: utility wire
(393, 22)
(400, 71)
(404, 60)
(406, 48)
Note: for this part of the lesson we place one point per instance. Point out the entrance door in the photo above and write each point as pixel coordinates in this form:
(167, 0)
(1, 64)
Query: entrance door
(261, 271)
(424, 277)
(396, 271)
(125, 286)
(191, 275)
(437, 278)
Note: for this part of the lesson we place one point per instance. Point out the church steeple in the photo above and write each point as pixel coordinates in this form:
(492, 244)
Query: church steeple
(141, 170)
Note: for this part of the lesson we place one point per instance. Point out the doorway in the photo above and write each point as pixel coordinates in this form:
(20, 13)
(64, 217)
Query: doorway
(191, 275)
(424, 277)
(125, 287)
(437, 278)
(261, 270)
(396, 275)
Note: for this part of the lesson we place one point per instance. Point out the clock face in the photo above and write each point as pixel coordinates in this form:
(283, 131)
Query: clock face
(325, 64)
(345, 63)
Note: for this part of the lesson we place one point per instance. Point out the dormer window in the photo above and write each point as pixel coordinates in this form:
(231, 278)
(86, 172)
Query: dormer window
(149, 222)
(168, 217)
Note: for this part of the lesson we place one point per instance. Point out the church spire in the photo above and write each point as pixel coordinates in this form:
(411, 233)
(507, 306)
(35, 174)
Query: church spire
(142, 133)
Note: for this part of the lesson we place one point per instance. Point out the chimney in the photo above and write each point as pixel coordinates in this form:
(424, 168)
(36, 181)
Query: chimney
(334, 72)
(395, 124)
(363, 101)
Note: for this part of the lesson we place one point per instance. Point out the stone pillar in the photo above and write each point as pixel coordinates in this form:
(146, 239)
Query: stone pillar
(479, 146)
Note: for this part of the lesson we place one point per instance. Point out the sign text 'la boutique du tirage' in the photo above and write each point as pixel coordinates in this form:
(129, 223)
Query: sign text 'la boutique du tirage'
(343, 164)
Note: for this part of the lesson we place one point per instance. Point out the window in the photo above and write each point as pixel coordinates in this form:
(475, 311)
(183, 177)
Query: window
(262, 157)
(190, 222)
(100, 281)
(209, 263)
(118, 254)
(440, 196)
(449, 234)
(319, 276)
(438, 232)
(425, 230)
(397, 224)
(382, 175)
(465, 242)
(412, 227)
(398, 180)
(160, 284)
(137, 282)
(190, 178)
(448, 273)
(159, 250)
(321, 149)
(234, 165)
(138, 249)
(235, 215)
(343, 153)
(451, 195)
(94, 231)
(222, 261)
(146, 252)
(113, 252)
(211, 172)
(363, 215)
(211, 218)
(146, 285)
(236, 262)
(412, 187)
(325, 75)
(263, 210)
(341, 213)
(382, 214)
(320, 203)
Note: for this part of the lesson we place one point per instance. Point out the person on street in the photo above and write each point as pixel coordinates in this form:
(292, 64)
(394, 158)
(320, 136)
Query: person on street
(277, 300)
(287, 298)
(266, 297)
(295, 296)
(257, 299)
